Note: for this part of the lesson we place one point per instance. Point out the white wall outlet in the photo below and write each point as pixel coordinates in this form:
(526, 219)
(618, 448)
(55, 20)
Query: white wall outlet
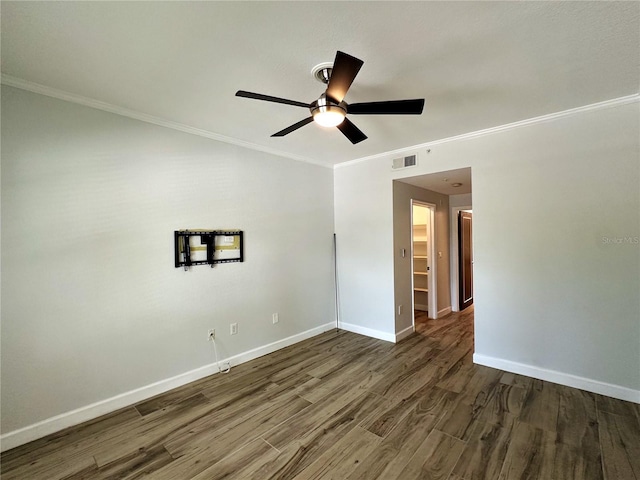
(211, 334)
(275, 318)
(399, 309)
(233, 328)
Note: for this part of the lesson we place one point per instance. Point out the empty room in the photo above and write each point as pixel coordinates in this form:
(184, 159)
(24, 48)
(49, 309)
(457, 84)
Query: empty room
(320, 240)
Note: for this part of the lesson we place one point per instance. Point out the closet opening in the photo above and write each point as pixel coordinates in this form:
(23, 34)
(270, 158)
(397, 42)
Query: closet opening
(423, 267)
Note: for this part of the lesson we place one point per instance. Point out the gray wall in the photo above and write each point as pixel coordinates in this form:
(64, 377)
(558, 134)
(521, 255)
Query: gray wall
(462, 200)
(92, 306)
(556, 295)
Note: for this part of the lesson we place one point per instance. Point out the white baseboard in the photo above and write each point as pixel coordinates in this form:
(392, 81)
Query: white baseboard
(74, 417)
(421, 307)
(402, 334)
(594, 386)
(369, 332)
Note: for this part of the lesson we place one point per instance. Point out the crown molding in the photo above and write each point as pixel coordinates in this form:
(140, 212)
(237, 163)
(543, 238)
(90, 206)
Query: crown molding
(143, 117)
(616, 102)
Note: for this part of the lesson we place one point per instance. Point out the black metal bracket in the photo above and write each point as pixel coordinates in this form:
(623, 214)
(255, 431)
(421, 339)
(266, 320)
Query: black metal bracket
(183, 247)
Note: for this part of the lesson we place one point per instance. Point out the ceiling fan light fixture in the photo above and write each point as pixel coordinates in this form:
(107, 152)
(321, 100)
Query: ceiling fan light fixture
(328, 114)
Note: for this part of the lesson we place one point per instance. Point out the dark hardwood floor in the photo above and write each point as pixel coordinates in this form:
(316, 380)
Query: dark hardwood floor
(346, 407)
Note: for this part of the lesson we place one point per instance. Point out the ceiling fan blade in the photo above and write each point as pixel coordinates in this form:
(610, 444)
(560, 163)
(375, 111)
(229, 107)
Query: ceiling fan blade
(293, 127)
(353, 133)
(268, 98)
(345, 69)
(392, 107)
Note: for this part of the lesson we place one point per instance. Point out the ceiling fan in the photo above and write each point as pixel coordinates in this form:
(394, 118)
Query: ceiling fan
(330, 109)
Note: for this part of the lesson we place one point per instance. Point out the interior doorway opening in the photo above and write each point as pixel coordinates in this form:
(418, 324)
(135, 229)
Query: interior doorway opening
(465, 259)
(461, 283)
(439, 191)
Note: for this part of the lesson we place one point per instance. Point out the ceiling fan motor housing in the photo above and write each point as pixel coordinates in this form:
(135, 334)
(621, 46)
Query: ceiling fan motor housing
(324, 104)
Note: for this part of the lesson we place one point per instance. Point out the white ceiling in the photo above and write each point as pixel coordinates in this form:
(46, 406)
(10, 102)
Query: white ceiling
(477, 64)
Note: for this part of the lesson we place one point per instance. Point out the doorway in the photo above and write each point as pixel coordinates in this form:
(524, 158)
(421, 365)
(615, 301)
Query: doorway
(441, 192)
(423, 271)
(465, 258)
(456, 265)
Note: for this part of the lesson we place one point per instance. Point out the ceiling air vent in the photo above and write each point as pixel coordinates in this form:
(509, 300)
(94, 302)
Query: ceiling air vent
(409, 161)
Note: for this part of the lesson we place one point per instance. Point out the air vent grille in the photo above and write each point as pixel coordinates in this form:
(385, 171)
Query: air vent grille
(408, 161)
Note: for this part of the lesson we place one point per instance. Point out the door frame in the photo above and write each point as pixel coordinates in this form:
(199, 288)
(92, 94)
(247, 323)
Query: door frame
(455, 275)
(431, 254)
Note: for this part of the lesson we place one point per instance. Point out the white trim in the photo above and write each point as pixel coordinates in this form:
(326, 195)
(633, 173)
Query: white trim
(444, 311)
(143, 117)
(615, 102)
(432, 263)
(421, 307)
(595, 386)
(402, 334)
(74, 417)
(369, 332)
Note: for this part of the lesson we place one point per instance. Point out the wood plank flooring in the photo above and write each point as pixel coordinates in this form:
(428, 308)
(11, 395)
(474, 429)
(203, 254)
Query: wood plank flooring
(347, 407)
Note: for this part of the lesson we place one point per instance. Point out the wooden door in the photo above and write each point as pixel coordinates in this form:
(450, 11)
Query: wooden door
(465, 256)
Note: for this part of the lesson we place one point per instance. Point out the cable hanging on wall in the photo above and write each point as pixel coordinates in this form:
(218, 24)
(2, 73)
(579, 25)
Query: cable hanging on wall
(212, 337)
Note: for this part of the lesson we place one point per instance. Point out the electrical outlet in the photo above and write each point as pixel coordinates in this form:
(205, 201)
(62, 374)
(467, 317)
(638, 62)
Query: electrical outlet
(233, 328)
(211, 334)
(275, 318)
